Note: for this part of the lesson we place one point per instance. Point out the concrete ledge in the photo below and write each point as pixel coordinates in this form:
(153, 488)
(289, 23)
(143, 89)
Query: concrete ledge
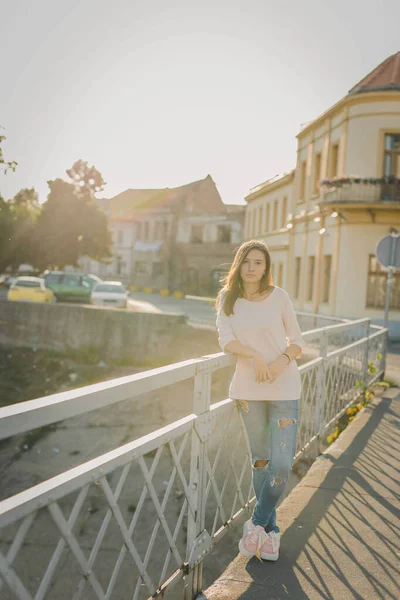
(339, 525)
(110, 333)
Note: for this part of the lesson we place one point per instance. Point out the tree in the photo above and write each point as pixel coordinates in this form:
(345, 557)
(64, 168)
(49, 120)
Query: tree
(70, 226)
(86, 180)
(6, 233)
(6, 165)
(17, 223)
(67, 226)
(26, 203)
(6, 220)
(25, 209)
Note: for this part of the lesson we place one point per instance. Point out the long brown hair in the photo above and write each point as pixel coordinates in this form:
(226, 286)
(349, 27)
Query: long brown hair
(232, 283)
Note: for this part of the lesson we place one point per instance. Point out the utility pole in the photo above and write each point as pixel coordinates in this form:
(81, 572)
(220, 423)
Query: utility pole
(171, 260)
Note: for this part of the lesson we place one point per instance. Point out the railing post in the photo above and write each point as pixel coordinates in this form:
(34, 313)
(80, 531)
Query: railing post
(385, 346)
(366, 351)
(323, 344)
(197, 485)
(321, 382)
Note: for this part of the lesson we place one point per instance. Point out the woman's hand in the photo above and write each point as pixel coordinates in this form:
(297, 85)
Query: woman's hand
(277, 367)
(261, 368)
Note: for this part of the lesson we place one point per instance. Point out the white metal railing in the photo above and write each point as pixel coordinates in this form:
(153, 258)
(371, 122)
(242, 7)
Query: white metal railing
(164, 500)
(361, 192)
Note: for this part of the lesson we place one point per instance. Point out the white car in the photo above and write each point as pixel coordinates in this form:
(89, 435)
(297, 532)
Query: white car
(110, 293)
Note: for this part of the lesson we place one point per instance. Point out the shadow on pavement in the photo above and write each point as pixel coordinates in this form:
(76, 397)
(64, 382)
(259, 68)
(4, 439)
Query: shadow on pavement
(347, 537)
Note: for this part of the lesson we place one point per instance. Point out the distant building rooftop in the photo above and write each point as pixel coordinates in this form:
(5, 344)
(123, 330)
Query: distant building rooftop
(199, 196)
(384, 77)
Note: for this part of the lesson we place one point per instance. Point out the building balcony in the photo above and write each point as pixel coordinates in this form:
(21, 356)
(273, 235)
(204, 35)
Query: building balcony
(363, 200)
(362, 191)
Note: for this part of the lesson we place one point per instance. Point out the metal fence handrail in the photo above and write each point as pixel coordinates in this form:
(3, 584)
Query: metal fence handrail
(212, 502)
(28, 415)
(31, 414)
(323, 317)
(311, 334)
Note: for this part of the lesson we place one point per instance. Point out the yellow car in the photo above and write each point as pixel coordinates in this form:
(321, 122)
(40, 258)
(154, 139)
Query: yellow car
(31, 289)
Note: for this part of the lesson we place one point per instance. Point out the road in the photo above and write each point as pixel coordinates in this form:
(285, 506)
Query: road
(198, 311)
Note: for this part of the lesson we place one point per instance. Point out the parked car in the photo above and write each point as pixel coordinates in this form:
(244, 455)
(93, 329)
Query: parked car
(30, 289)
(70, 287)
(110, 293)
(7, 280)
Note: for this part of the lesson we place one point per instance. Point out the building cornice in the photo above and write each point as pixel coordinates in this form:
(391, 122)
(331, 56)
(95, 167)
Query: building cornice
(361, 98)
(270, 185)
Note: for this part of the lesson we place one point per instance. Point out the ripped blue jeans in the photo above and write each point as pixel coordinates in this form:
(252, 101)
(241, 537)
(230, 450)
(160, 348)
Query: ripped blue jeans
(271, 428)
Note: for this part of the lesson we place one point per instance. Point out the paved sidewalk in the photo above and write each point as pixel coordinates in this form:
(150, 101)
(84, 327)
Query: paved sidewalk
(340, 526)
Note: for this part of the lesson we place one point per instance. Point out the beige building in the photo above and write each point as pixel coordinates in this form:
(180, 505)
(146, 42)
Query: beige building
(173, 238)
(323, 220)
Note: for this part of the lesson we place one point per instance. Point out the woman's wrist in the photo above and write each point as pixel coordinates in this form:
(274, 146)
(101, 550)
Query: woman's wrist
(287, 358)
(253, 353)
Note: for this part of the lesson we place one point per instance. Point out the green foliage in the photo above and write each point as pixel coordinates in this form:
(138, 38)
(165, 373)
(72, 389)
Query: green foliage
(366, 394)
(6, 232)
(70, 226)
(86, 180)
(88, 355)
(4, 164)
(24, 209)
(67, 226)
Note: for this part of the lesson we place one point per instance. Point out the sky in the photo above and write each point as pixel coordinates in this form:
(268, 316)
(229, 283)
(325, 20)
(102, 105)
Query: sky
(157, 93)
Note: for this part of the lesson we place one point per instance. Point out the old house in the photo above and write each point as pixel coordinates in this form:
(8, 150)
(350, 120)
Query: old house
(173, 238)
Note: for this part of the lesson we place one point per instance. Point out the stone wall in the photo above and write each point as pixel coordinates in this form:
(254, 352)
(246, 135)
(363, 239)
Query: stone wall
(105, 334)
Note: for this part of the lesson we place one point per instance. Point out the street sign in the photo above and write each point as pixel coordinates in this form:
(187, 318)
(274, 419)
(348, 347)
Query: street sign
(388, 251)
(388, 255)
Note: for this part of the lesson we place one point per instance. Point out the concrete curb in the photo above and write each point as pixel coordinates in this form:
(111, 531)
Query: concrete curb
(178, 294)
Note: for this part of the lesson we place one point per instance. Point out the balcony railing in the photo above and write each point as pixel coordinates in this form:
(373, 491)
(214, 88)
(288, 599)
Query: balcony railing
(345, 190)
(188, 482)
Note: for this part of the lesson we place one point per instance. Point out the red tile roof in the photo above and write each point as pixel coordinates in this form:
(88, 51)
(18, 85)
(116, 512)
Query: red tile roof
(198, 196)
(385, 77)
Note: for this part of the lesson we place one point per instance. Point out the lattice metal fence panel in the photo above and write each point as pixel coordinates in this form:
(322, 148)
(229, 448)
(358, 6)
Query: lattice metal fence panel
(376, 356)
(228, 486)
(135, 521)
(309, 417)
(120, 535)
(344, 337)
(342, 370)
(333, 334)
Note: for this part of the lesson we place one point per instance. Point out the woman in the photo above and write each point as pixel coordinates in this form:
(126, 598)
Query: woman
(256, 321)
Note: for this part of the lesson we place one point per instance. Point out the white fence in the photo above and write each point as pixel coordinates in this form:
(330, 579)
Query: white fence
(158, 505)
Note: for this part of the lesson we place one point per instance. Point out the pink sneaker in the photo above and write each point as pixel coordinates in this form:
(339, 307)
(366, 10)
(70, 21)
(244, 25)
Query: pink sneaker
(254, 538)
(270, 548)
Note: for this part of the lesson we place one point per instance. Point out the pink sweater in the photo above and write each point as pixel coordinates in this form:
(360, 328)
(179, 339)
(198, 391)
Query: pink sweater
(267, 326)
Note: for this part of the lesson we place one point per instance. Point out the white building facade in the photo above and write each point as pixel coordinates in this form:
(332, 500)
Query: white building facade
(339, 201)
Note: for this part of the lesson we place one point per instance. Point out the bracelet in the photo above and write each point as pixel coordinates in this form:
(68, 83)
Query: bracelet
(284, 354)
